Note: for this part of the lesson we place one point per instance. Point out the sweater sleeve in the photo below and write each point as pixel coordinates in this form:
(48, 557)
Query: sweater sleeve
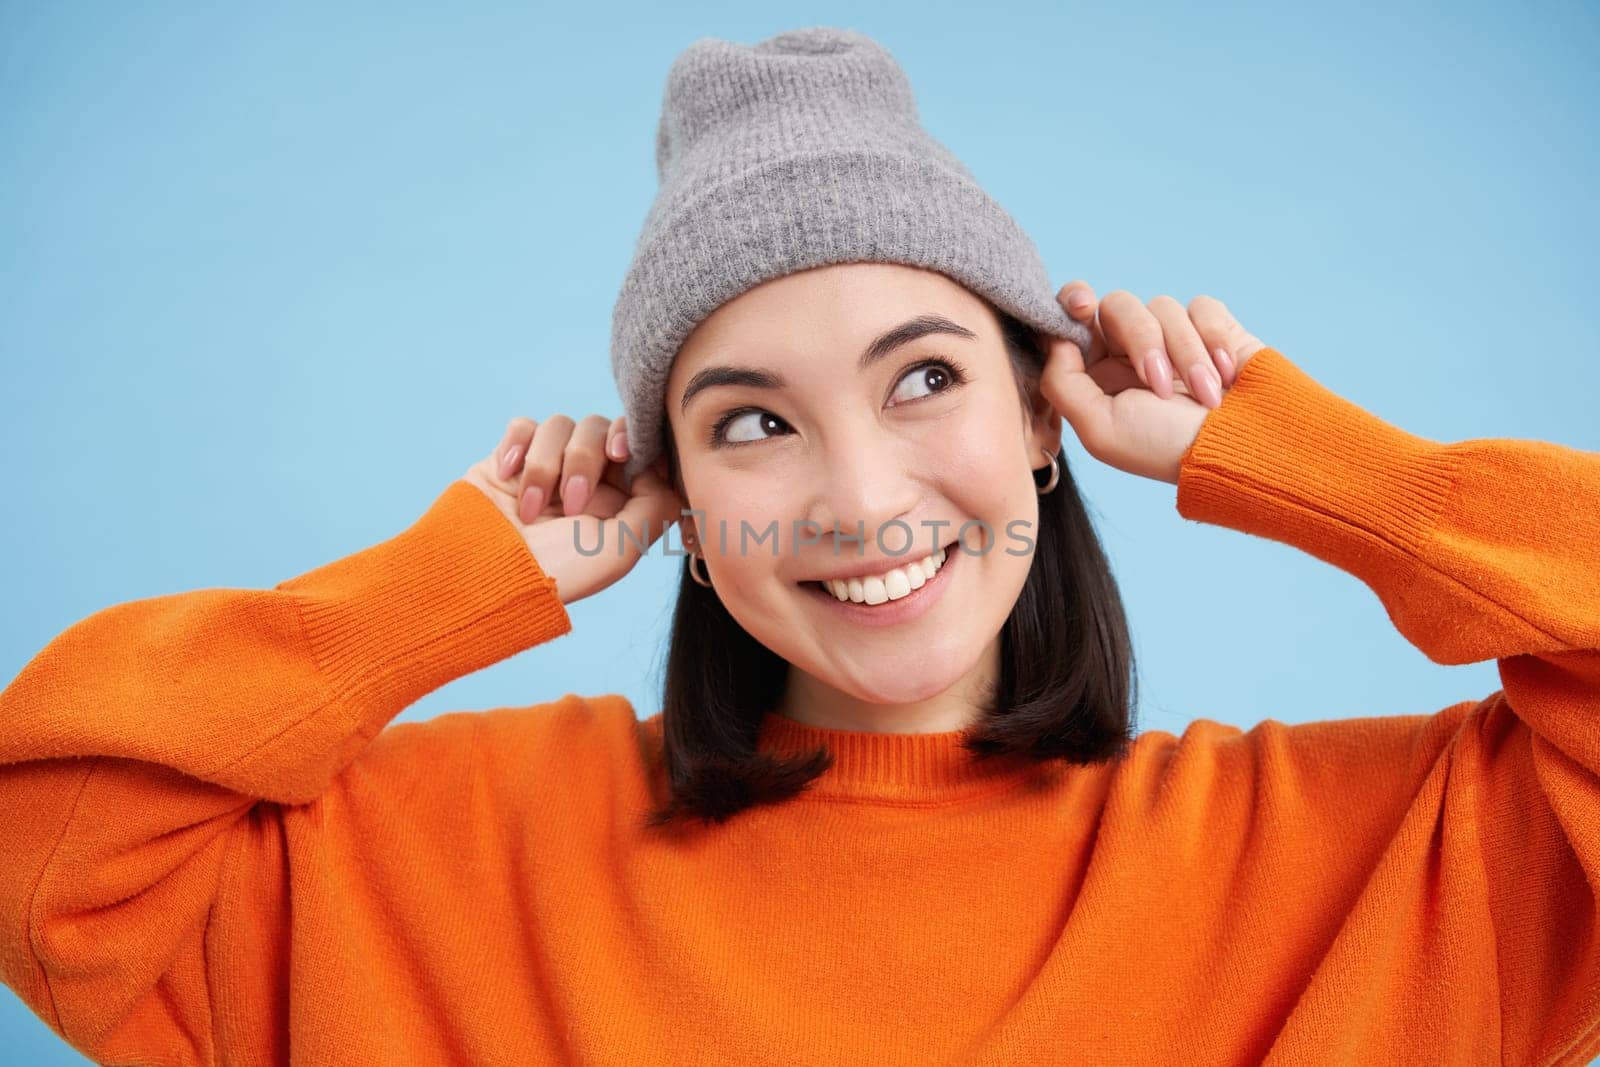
(1478, 549)
(135, 745)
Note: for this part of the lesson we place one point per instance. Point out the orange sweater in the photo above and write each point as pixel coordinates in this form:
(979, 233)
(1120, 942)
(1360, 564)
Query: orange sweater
(214, 851)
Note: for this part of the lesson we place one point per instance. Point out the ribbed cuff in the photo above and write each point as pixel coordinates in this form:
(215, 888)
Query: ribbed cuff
(1285, 458)
(457, 591)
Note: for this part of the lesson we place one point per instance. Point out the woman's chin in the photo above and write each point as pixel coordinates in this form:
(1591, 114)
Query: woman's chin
(891, 678)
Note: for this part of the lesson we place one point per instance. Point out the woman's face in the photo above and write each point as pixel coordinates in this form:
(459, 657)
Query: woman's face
(790, 422)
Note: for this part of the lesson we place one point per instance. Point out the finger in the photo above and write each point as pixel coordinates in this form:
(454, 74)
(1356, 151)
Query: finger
(652, 506)
(1099, 349)
(543, 466)
(1072, 297)
(606, 502)
(1229, 343)
(1131, 329)
(582, 461)
(512, 450)
(1077, 296)
(615, 474)
(1187, 350)
(1076, 396)
(1116, 374)
(617, 439)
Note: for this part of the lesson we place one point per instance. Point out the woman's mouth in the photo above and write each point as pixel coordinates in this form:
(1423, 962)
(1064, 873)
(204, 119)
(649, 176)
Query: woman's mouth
(894, 584)
(898, 595)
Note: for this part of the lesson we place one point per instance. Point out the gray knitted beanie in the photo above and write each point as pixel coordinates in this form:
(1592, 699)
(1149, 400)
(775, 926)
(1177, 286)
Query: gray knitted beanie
(802, 150)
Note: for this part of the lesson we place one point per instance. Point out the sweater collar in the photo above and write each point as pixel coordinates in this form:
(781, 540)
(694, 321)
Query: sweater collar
(906, 768)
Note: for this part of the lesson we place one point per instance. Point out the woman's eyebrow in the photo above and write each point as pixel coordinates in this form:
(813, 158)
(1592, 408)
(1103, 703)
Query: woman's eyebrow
(903, 334)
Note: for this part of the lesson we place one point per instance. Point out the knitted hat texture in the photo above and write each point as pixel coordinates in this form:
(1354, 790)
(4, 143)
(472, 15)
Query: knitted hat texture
(802, 150)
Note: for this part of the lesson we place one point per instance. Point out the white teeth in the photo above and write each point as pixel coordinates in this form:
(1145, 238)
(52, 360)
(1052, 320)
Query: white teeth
(895, 584)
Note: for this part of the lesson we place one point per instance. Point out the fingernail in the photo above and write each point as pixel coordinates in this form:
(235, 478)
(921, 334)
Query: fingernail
(1078, 300)
(619, 445)
(574, 494)
(1159, 373)
(532, 504)
(1225, 367)
(508, 462)
(1203, 384)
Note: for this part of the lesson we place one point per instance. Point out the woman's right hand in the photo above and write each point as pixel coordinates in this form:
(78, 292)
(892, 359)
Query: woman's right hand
(560, 484)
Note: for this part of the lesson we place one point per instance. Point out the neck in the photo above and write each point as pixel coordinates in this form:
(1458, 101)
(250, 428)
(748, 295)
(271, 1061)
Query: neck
(812, 702)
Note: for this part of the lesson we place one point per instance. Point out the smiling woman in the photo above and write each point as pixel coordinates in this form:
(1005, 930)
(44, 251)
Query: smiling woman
(947, 849)
(1026, 643)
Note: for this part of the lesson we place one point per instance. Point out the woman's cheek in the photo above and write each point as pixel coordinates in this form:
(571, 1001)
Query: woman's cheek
(747, 530)
(973, 455)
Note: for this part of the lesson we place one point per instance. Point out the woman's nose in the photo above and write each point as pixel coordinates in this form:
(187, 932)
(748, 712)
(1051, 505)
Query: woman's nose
(858, 489)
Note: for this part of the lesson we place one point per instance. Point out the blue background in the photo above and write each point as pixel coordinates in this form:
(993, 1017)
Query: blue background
(271, 278)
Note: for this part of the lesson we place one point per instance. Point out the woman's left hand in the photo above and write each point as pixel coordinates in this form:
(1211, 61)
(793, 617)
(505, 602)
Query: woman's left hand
(1123, 400)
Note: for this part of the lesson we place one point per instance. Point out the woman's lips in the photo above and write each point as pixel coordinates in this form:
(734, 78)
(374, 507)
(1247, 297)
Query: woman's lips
(892, 612)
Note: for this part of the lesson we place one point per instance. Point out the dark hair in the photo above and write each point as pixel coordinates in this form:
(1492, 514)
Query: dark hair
(1065, 689)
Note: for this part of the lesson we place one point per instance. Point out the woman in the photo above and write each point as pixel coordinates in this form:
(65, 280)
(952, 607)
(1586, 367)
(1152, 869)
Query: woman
(913, 827)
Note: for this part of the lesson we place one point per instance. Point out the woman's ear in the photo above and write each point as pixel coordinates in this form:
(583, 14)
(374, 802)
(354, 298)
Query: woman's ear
(672, 474)
(1044, 424)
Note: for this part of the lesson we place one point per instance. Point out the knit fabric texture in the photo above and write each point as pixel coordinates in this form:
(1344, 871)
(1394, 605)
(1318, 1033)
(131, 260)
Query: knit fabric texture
(803, 150)
(219, 846)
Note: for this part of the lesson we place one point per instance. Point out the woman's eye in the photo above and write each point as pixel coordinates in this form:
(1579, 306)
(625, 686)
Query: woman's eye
(747, 425)
(741, 427)
(934, 377)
